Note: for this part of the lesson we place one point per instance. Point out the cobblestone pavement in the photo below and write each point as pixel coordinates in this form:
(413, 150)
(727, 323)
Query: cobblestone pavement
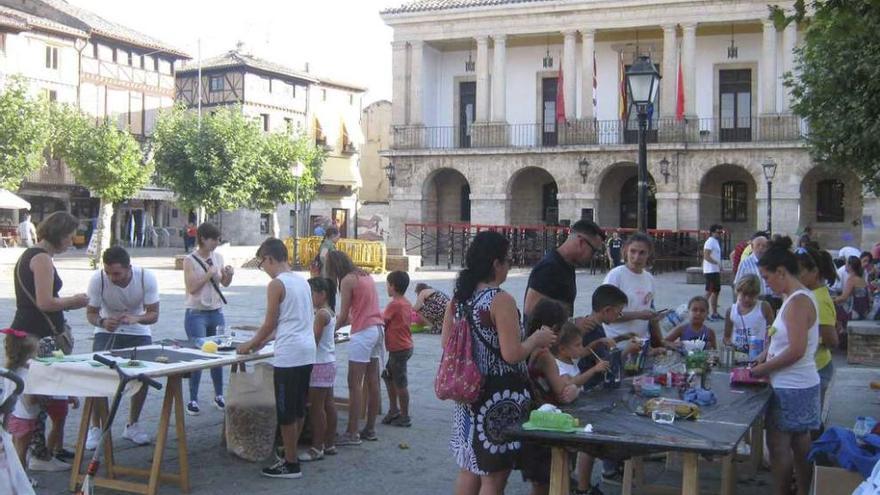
(375, 467)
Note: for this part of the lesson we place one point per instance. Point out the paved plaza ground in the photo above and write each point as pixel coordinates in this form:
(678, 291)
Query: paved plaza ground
(426, 467)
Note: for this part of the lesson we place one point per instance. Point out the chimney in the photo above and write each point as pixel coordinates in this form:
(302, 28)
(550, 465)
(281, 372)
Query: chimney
(307, 66)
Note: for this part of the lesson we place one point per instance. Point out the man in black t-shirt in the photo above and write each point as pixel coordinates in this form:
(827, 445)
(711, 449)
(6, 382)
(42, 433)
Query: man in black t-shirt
(554, 275)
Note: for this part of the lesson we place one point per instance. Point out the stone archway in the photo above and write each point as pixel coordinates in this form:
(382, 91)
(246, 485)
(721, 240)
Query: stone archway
(446, 197)
(727, 196)
(831, 203)
(618, 197)
(532, 198)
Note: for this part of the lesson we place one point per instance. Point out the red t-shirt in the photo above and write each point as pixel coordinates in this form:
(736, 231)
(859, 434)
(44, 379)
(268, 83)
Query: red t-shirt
(397, 317)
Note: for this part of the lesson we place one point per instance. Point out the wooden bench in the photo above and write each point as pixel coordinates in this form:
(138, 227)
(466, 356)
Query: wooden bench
(863, 342)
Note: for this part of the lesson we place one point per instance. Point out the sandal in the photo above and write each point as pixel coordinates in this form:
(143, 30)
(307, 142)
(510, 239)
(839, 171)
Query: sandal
(310, 455)
(403, 421)
(330, 450)
(390, 417)
(369, 435)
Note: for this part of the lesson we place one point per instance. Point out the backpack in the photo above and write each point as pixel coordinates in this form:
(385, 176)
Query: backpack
(458, 377)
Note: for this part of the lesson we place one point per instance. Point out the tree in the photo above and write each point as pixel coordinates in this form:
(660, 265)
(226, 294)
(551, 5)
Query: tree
(105, 159)
(211, 163)
(275, 181)
(24, 134)
(836, 87)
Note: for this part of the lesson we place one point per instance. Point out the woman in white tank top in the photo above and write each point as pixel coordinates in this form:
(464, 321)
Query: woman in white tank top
(794, 409)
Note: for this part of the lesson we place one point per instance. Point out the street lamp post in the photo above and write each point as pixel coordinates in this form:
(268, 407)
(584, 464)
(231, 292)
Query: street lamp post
(297, 170)
(643, 80)
(769, 167)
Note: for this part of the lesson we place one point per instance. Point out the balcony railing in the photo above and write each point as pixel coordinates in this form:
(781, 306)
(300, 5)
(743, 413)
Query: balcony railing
(773, 129)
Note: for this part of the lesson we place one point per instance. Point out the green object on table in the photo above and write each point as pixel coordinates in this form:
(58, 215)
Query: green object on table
(551, 421)
(696, 360)
(54, 359)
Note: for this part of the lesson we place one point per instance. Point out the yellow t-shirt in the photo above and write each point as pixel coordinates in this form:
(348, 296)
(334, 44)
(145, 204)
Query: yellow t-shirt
(827, 316)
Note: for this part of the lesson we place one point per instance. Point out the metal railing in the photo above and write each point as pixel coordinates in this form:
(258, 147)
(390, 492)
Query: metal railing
(442, 244)
(768, 129)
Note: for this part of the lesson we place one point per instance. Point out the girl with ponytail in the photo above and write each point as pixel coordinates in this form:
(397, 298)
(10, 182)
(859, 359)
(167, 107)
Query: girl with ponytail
(483, 454)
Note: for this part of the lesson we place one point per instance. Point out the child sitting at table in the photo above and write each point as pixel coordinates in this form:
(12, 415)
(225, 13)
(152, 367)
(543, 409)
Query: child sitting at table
(695, 328)
(608, 303)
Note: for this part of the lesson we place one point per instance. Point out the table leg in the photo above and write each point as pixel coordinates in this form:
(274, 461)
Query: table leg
(690, 475)
(728, 475)
(162, 435)
(78, 455)
(103, 411)
(626, 486)
(182, 452)
(757, 447)
(559, 476)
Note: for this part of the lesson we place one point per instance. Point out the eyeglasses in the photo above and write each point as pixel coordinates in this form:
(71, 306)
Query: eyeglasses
(260, 264)
(592, 246)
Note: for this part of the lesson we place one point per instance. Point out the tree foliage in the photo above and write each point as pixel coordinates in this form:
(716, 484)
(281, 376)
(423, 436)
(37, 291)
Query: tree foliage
(105, 159)
(24, 134)
(836, 86)
(226, 161)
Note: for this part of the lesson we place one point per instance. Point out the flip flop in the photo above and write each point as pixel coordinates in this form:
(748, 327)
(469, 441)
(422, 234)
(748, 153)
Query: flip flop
(390, 416)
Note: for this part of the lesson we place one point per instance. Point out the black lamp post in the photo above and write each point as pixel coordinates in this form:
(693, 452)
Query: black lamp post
(390, 173)
(643, 80)
(584, 169)
(769, 173)
(664, 169)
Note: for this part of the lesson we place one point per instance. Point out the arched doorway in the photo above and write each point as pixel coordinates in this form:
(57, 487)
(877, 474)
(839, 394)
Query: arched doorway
(831, 203)
(727, 196)
(619, 198)
(533, 198)
(446, 198)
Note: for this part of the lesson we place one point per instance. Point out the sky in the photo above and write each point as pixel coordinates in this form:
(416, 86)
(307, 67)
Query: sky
(340, 39)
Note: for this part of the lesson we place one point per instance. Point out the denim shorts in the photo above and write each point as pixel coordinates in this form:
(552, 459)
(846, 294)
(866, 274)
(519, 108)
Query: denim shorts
(794, 410)
(104, 341)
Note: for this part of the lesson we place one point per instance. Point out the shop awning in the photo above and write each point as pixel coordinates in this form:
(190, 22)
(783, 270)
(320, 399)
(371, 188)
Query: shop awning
(154, 194)
(339, 171)
(353, 128)
(11, 201)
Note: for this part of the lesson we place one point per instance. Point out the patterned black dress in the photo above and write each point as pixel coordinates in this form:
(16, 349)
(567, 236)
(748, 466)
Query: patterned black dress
(434, 309)
(478, 442)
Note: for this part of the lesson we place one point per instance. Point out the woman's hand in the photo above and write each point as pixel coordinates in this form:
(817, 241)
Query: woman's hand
(78, 301)
(543, 337)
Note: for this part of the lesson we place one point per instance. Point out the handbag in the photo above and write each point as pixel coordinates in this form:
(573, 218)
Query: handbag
(64, 338)
(458, 377)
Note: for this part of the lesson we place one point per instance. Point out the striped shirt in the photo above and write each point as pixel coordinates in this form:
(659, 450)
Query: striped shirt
(749, 266)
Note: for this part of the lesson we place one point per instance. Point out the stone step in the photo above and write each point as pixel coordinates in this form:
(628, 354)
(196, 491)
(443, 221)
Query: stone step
(695, 276)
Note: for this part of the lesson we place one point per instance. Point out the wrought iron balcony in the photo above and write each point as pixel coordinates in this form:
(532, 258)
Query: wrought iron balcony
(768, 129)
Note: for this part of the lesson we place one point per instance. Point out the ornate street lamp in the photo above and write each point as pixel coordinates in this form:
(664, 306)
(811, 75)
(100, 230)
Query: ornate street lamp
(297, 169)
(390, 173)
(664, 169)
(643, 81)
(584, 169)
(769, 167)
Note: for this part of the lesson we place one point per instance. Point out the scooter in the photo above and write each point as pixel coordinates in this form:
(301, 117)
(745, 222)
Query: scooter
(87, 487)
(13, 478)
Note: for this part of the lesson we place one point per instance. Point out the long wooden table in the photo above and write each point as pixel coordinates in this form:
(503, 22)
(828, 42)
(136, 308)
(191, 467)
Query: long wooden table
(620, 434)
(96, 384)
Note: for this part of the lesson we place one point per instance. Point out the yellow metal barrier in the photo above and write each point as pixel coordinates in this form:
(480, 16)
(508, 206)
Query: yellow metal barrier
(369, 255)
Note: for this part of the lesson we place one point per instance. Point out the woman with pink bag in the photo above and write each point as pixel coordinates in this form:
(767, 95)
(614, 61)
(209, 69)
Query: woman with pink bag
(483, 454)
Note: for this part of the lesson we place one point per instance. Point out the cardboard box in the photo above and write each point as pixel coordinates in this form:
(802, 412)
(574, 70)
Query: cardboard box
(834, 481)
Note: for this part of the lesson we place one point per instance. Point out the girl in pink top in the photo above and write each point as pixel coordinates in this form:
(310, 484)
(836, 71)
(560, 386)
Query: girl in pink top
(359, 307)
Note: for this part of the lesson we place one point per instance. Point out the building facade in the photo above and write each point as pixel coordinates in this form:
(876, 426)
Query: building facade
(283, 99)
(107, 70)
(516, 113)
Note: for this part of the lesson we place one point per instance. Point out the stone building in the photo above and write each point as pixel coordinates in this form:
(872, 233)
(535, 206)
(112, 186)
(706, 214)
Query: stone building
(284, 99)
(107, 70)
(477, 136)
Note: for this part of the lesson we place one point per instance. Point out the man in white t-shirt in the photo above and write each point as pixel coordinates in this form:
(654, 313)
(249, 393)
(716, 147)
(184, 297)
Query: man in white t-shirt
(27, 233)
(712, 269)
(123, 303)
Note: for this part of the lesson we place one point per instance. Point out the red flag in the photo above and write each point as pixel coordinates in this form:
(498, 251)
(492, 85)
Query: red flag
(621, 95)
(679, 103)
(560, 98)
(595, 82)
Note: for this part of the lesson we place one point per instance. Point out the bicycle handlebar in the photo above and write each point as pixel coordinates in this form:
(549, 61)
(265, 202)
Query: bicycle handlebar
(19, 387)
(125, 377)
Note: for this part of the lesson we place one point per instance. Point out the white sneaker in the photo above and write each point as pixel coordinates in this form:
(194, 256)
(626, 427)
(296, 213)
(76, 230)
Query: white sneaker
(743, 449)
(134, 433)
(52, 465)
(93, 438)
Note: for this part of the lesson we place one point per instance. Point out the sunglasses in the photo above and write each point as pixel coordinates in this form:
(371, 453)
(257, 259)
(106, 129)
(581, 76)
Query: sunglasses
(592, 246)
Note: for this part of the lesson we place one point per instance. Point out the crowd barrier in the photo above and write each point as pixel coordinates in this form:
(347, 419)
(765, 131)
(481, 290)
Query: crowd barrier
(369, 255)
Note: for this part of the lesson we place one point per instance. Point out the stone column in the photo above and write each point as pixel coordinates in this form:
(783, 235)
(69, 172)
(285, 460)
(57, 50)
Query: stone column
(789, 41)
(569, 74)
(588, 111)
(482, 79)
(398, 83)
(669, 82)
(768, 69)
(689, 67)
(667, 210)
(499, 79)
(417, 50)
